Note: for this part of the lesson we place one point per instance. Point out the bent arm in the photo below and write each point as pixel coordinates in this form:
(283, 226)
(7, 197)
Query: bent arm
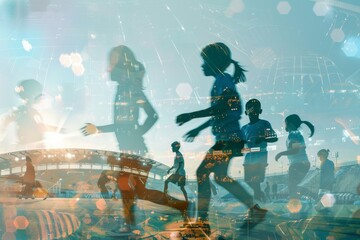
(295, 147)
(204, 125)
(152, 116)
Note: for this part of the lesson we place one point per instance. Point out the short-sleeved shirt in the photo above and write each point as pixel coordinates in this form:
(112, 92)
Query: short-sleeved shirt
(226, 126)
(179, 159)
(327, 174)
(251, 133)
(295, 137)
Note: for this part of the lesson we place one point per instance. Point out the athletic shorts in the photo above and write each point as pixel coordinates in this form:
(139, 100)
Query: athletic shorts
(255, 172)
(177, 179)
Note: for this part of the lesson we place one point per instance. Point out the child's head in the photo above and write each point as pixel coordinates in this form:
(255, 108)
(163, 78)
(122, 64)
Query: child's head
(323, 154)
(293, 122)
(217, 58)
(253, 108)
(29, 90)
(124, 68)
(28, 159)
(175, 146)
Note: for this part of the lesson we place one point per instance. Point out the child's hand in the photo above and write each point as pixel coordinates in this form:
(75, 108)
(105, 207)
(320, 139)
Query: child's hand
(191, 135)
(183, 118)
(89, 129)
(278, 156)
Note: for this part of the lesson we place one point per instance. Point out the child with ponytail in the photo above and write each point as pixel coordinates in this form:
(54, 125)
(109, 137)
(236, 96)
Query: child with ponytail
(224, 114)
(296, 153)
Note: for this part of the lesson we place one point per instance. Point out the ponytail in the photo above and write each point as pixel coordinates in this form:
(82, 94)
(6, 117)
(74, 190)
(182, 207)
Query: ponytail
(296, 121)
(324, 153)
(239, 72)
(310, 126)
(219, 55)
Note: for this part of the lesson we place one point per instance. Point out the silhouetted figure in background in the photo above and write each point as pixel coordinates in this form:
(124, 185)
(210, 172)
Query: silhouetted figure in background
(267, 191)
(133, 186)
(179, 176)
(327, 172)
(130, 98)
(296, 153)
(257, 133)
(28, 179)
(30, 127)
(274, 190)
(225, 112)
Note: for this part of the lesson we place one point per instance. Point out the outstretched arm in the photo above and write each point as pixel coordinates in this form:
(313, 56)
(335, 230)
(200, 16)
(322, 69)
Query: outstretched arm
(106, 128)
(90, 129)
(224, 103)
(192, 134)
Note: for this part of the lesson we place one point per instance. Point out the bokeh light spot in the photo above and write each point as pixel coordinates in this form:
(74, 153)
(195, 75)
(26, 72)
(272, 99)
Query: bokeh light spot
(351, 47)
(101, 204)
(21, 222)
(321, 9)
(294, 205)
(235, 6)
(76, 58)
(78, 69)
(337, 35)
(184, 90)
(328, 200)
(65, 60)
(283, 7)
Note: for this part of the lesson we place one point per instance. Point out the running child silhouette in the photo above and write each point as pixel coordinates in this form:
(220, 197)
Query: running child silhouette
(327, 172)
(257, 133)
(224, 114)
(30, 126)
(296, 153)
(179, 176)
(128, 72)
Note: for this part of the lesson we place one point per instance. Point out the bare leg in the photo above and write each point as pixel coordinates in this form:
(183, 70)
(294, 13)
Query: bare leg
(204, 188)
(166, 186)
(231, 185)
(184, 192)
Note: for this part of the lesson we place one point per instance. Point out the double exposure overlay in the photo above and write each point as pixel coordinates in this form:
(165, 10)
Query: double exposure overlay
(159, 119)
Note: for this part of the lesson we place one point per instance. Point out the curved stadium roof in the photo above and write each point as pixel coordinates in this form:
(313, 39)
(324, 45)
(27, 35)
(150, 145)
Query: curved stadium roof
(74, 159)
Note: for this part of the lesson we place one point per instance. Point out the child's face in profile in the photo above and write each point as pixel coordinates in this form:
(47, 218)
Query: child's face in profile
(208, 68)
(175, 148)
(321, 157)
(289, 126)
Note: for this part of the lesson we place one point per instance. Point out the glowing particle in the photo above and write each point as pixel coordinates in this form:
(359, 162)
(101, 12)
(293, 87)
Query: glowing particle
(26, 45)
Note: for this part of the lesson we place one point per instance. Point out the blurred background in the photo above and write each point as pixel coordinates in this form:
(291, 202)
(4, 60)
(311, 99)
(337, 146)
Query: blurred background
(301, 56)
